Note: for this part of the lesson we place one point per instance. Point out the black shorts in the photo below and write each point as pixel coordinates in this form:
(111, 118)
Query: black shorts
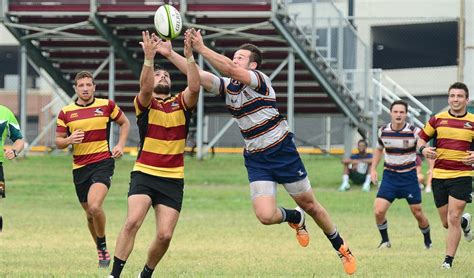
(98, 172)
(459, 188)
(165, 191)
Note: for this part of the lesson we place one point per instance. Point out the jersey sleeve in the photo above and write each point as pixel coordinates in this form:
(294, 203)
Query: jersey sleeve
(218, 86)
(139, 108)
(61, 126)
(259, 82)
(116, 112)
(429, 130)
(379, 139)
(13, 128)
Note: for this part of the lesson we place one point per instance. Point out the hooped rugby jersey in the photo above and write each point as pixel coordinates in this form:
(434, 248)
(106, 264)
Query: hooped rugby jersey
(453, 139)
(400, 147)
(94, 119)
(163, 127)
(254, 108)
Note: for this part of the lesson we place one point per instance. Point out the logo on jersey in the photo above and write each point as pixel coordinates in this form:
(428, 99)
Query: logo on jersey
(444, 122)
(73, 115)
(467, 125)
(300, 173)
(247, 96)
(174, 105)
(410, 196)
(98, 112)
(405, 143)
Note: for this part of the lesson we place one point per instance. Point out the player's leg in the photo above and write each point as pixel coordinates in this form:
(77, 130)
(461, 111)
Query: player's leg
(303, 195)
(423, 223)
(95, 199)
(381, 206)
(264, 202)
(345, 176)
(455, 210)
(167, 204)
(166, 220)
(138, 206)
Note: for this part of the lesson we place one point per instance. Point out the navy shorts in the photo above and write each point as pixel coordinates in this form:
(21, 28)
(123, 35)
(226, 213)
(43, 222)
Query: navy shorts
(281, 166)
(400, 186)
(97, 172)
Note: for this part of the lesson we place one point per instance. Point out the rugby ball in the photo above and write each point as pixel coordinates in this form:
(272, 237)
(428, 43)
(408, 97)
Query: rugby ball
(168, 22)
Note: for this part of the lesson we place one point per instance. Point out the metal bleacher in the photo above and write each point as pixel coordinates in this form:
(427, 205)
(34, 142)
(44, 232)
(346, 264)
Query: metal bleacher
(64, 37)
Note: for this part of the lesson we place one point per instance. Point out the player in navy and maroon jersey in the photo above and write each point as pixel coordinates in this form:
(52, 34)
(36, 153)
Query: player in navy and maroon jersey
(85, 124)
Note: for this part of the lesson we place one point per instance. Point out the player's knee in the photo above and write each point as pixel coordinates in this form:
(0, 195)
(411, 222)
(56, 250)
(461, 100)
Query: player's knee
(265, 218)
(94, 210)
(131, 226)
(379, 213)
(164, 237)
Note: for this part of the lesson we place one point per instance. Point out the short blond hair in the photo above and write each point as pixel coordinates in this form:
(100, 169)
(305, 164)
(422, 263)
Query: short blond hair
(83, 74)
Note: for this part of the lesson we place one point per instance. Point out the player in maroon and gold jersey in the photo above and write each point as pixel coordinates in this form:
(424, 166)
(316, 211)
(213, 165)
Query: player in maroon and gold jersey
(85, 124)
(157, 177)
(453, 131)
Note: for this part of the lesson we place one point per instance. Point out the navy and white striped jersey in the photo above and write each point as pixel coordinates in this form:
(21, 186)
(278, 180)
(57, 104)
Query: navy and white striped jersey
(400, 147)
(254, 108)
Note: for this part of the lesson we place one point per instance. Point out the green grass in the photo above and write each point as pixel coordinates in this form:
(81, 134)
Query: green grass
(45, 232)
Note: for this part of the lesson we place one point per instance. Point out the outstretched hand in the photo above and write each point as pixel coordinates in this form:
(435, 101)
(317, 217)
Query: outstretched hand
(163, 47)
(196, 40)
(149, 45)
(188, 49)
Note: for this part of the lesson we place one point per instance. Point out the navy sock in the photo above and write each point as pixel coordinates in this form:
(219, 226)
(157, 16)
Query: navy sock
(336, 240)
(146, 272)
(101, 243)
(426, 235)
(290, 215)
(383, 229)
(117, 267)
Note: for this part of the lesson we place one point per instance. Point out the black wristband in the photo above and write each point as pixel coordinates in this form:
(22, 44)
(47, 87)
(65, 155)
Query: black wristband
(14, 152)
(420, 150)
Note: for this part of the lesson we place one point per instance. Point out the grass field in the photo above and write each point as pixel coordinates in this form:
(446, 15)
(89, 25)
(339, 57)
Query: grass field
(45, 232)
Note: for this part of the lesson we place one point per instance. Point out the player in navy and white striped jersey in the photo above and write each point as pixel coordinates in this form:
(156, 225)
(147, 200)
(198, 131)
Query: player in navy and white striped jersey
(270, 153)
(400, 181)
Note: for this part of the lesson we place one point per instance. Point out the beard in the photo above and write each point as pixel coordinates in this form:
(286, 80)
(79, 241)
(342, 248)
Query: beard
(162, 89)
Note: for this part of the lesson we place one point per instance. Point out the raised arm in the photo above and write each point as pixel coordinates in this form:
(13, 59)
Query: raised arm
(223, 64)
(191, 93)
(147, 76)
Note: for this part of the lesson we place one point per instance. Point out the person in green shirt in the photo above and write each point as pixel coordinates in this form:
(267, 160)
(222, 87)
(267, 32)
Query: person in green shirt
(10, 128)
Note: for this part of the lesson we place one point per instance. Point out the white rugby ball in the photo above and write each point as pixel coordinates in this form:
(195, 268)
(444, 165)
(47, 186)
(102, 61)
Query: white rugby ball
(168, 22)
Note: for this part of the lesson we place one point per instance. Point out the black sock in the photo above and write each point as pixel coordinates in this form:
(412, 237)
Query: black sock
(336, 240)
(464, 224)
(290, 215)
(101, 244)
(426, 235)
(449, 260)
(383, 229)
(146, 272)
(117, 268)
